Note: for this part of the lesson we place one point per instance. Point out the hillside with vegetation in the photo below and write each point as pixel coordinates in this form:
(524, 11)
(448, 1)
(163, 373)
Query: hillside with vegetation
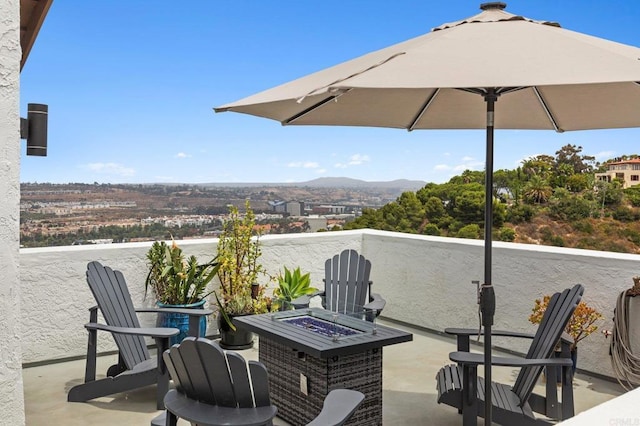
(549, 200)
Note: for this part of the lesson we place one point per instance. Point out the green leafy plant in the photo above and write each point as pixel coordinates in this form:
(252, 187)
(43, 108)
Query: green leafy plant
(174, 279)
(582, 322)
(238, 253)
(292, 285)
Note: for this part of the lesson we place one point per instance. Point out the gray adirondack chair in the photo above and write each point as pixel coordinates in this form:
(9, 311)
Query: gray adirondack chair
(216, 388)
(136, 367)
(347, 288)
(459, 385)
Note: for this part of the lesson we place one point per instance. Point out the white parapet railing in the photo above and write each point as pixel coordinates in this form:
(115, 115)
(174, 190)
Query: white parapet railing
(427, 282)
(619, 411)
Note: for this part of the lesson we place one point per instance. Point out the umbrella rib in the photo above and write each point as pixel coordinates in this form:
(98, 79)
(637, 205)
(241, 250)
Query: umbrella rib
(424, 108)
(546, 110)
(313, 107)
(504, 90)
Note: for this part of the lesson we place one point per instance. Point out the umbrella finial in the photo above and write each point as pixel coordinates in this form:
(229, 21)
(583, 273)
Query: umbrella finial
(493, 5)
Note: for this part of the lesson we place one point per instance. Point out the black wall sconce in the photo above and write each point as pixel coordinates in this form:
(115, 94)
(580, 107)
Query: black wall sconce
(34, 129)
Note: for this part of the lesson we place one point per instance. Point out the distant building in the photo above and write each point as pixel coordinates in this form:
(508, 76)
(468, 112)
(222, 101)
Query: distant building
(628, 172)
(278, 206)
(328, 209)
(295, 208)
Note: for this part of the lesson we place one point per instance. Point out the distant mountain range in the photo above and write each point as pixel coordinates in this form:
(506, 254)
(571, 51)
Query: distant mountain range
(332, 182)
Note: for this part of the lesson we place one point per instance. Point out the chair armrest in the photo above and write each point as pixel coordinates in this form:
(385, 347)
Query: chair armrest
(190, 312)
(478, 359)
(338, 406)
(463, 335)
(149, 332)
(301, 302)
(377, 303)
(474, 332)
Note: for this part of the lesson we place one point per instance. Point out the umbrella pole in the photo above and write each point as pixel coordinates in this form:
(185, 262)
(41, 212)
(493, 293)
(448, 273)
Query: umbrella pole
(487, 295)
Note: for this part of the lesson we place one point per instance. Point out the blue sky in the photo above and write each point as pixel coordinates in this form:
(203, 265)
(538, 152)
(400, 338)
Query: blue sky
(131, 85)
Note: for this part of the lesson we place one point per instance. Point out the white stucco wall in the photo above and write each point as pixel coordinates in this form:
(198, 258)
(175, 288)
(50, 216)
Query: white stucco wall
(56, 298)
(11, 392)
(425, 280)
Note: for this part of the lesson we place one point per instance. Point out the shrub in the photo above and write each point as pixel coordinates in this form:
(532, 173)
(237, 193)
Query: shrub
(431, 229)
(624, 214)
(549, 238)
(520, 213)
(633, 195)
(455, 226)
(507, 234)
(470, 231)
(631, 235)
(572, 207)
(583, 226)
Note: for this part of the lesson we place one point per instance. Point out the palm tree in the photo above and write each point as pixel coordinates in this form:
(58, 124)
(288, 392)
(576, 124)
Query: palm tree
(537, 190)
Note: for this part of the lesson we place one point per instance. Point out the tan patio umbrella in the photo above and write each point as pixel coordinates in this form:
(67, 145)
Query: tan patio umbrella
(493, 70)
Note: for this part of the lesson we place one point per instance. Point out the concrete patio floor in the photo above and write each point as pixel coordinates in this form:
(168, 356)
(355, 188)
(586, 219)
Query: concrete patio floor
(409, 396)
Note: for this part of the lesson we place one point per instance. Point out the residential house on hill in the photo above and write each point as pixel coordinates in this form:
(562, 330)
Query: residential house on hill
(628, 172)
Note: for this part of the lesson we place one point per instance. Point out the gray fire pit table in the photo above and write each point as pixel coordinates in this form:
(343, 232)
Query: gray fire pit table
(309, 352)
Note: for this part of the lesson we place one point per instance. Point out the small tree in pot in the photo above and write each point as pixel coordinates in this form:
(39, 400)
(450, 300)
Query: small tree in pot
(238, 253)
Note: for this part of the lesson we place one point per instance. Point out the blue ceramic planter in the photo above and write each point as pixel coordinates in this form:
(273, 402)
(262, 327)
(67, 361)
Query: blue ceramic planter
(180, 321)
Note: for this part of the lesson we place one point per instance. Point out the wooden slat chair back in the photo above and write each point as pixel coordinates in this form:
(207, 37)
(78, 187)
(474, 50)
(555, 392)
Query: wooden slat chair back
(203, 372)
(110, 290)
(556, 317)
(347, 284)
(218, 388)
(460, 386)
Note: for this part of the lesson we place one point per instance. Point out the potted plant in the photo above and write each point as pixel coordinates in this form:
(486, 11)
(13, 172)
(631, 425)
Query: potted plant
(238, 253)
(178, 282)
(581, 324)
(292, 285)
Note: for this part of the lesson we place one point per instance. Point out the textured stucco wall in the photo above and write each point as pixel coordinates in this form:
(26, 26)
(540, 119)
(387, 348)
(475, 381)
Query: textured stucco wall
(11, 393)
(426, 281)
(56, 298)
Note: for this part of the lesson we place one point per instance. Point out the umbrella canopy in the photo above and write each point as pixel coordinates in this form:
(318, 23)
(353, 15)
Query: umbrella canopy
(555, 79)
(493, 70)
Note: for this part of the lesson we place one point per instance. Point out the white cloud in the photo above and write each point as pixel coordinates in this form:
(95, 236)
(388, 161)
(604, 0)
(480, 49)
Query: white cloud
(304, 164)
(182, 155)
(354, 160)
(605, 155)
(467, 163)
(110, 168)
(321, 171)
(357, 159)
